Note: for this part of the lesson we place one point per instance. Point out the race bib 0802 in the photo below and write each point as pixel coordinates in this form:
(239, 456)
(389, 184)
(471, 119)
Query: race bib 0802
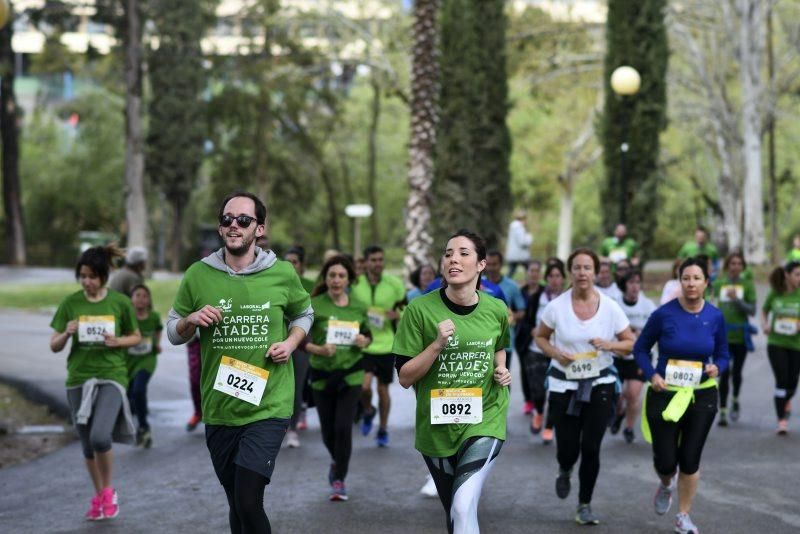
(456, 405)
(586, 365)
(682, 373)
(241, 380)
(92, 328)
(342, 332)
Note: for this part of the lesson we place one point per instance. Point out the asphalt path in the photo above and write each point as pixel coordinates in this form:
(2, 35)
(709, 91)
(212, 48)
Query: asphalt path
(749, 475)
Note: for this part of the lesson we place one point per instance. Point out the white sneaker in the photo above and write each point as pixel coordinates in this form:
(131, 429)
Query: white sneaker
(292, 439)
(429, 489)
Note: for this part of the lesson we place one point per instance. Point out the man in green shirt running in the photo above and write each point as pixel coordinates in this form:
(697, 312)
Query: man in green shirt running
(620, 247)
(384, 296)
(794, 254)
(252, 313)
(700, 246)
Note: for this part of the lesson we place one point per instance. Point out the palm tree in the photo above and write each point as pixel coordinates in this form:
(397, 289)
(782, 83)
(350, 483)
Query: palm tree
(424, 116)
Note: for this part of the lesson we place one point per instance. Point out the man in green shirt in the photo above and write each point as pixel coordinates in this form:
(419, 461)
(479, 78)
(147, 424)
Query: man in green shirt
(699, 247)
(794, 254)
(620, 247)
(384, 296)
(252, 313)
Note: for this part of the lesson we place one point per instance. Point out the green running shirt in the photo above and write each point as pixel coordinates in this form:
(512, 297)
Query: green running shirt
(142, 357)
(380, 298)
(787, 308)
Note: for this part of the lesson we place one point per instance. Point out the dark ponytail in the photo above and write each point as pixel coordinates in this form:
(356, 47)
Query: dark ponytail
(100, 260)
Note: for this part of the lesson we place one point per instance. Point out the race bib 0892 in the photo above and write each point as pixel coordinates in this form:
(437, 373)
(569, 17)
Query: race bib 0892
(92, 328)
(456, 405)
(241, 380)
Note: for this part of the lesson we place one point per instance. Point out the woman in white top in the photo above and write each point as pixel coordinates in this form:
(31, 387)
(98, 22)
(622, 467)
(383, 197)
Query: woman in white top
(580, 331)
(672, 289)
(638, 310)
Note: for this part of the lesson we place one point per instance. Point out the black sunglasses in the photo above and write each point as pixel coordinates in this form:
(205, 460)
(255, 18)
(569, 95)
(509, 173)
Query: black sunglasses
(242, 220)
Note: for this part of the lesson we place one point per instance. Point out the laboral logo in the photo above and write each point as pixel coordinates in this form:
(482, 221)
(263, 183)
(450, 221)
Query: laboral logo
(257, 307)
(225, 305)
(487, 343)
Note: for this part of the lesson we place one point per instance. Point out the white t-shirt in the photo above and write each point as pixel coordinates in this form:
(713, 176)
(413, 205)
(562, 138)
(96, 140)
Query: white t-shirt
(611, 291)
(544, 300)
(572, 335)
(638, 314)
(671, 291)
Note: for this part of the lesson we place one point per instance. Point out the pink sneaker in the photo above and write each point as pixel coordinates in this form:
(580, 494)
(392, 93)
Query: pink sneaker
(95, 512)
(527, 408)
(110, 506)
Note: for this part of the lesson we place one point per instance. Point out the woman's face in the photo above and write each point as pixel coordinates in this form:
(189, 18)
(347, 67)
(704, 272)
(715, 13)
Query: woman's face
(632, 288)
(794, 278)
(89, 280)
(426, 276)
(693, 283)
(534, 274)
(294, 259)
(336, 279)
(582, 271)
(460, 262)
(141, 299)
(555, 282)
(735, 267)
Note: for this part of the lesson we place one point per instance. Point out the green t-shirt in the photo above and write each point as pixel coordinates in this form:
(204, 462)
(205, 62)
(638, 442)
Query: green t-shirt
(346, 355)
(388, 294)
(734, 315)
(255, 309)
(690, 249)
(794, 255)
(467, 362)
(617, 251)
(142, 357)
(307, 284)
(784, 308)
(88, 355)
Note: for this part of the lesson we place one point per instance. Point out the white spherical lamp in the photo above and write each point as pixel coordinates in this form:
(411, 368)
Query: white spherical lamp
(625, 81)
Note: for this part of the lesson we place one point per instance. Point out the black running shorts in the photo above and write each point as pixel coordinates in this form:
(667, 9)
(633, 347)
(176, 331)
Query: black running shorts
(380, 365)
(253, 446)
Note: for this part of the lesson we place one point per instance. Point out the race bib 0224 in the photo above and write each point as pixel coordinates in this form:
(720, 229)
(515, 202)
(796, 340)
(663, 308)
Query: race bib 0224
(241, 380)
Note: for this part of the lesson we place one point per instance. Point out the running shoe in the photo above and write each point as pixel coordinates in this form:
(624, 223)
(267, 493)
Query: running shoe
(584, 515)
(366, 422)
(629, 435)
(193, 422)
(429, 489)
(95, 512)
(536, 423)
(547, 436)
(110, 504)
(292, 439)
(332, 473)
(338, 493)
(735, 411)
(146, 439)
(617, 423)
(723, 417)
(382, 439)
(684, 525)
(562, 483)
(663, 499)
(783, 427)
(527, 408)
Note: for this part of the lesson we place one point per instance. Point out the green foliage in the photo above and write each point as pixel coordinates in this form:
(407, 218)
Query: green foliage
(471, 187)
(636, 36)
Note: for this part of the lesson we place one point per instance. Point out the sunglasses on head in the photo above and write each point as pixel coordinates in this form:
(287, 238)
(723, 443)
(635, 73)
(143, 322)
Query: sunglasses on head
(242, 220)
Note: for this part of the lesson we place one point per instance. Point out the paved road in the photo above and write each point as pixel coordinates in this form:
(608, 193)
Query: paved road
(749, 475)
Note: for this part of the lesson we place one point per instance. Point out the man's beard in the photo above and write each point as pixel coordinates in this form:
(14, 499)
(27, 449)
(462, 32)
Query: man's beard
(243, 248)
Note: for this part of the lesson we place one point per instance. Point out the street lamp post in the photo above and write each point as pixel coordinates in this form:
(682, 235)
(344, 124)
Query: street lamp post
(357, 212)
(625, 81)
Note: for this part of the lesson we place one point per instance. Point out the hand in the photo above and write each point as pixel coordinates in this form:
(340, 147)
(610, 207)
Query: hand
(362, 341)
(205, 316)
(111, 341)
(281, 351)
(72, 327)
(447, 330)
(731, 292)
(712, 370)
(564, 358)
(392, 315)
(329, 350)
(502, 376)
(601, 344)
(658, 383)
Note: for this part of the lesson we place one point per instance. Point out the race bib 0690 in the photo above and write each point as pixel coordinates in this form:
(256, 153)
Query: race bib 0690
(241, 380)
(342, 332)
(456, 405)
(682, 373)
(586, 365)
(92, 328)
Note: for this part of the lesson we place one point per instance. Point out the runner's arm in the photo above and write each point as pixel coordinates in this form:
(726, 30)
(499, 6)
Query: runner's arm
(417, 367)
(542, 339)
(59, 339)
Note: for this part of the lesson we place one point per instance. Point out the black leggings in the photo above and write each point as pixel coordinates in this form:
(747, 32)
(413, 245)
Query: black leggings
(336, 413)
(581, 436)
(680, 444)
(137, 397)
(246, 503)
(786, 368)
(738, 355)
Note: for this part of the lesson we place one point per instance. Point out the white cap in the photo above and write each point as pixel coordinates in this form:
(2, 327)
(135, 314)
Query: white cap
(136, 255)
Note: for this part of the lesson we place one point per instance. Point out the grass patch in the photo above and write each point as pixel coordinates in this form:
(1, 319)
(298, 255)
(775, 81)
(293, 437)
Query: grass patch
(49, 296)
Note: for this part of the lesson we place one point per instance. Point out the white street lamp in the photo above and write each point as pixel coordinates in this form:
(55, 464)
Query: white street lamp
(357, 212)
(626, 82)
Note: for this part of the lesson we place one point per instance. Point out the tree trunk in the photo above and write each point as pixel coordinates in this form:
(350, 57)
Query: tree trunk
(565, 223)
(424, 117)
(178, 212)
(333, 211)
(372, 156)
(135, 205)
(9, 134)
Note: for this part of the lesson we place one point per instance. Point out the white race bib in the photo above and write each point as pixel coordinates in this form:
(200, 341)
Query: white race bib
(456, 405)
(143, 348)
(723, 293)
(618, 254)
(342, 332)
(241, 380)
(91, 328)
(684, 374)
(786, 326)
(376, 317)
(586, 365)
